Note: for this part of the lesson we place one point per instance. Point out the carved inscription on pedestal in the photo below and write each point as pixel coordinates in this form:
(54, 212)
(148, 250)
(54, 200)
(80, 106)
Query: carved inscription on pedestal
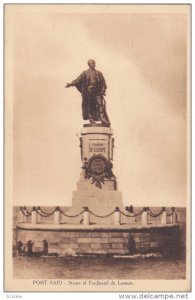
(97, 147)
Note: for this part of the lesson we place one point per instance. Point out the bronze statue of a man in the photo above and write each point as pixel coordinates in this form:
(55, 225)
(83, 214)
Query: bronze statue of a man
(92, 86)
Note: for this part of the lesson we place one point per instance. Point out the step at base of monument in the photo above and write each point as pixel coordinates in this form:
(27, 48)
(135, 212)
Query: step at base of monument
(101, 204)
(88, 185)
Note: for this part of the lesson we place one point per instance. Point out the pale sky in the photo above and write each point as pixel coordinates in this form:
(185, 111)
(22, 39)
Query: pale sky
(143, 57)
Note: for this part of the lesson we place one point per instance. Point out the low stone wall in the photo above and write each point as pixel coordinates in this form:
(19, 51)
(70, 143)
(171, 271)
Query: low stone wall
(166, 240)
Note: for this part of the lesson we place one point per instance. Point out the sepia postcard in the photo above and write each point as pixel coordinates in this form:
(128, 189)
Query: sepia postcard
(97, 148)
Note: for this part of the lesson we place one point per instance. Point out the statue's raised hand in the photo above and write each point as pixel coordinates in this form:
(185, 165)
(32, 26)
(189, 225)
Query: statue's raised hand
(67, 85)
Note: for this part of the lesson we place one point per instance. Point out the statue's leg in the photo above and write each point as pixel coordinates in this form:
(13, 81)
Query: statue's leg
(87, 108)
(92, 109)
(102, 111)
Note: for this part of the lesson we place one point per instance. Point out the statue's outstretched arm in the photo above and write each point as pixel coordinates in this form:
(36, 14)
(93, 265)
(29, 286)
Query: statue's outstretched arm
(75, 82)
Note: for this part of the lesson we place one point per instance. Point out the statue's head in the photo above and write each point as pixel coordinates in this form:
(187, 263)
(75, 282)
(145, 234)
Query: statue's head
(91, 63)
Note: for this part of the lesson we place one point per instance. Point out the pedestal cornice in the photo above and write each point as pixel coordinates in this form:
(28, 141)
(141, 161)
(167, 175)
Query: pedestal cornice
(97, 130)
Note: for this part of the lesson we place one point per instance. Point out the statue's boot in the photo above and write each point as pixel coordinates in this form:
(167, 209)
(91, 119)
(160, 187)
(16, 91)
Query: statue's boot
(105, 122)
(92, 122)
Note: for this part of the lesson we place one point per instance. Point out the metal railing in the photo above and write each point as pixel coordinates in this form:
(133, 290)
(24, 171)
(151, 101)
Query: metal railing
(37, 214)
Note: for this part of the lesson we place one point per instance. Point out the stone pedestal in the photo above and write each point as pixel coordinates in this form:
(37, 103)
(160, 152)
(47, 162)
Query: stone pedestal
(97, 186)
(95, 141)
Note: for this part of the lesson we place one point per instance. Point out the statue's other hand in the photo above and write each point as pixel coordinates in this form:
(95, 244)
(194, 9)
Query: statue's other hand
(67, 85)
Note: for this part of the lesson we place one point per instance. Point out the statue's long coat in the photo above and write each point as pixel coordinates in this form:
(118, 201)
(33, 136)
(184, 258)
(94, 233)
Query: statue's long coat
(82, 83)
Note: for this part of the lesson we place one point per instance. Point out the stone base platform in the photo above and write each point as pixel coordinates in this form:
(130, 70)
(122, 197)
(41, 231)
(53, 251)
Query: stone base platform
(102, 239)
(100, 203)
